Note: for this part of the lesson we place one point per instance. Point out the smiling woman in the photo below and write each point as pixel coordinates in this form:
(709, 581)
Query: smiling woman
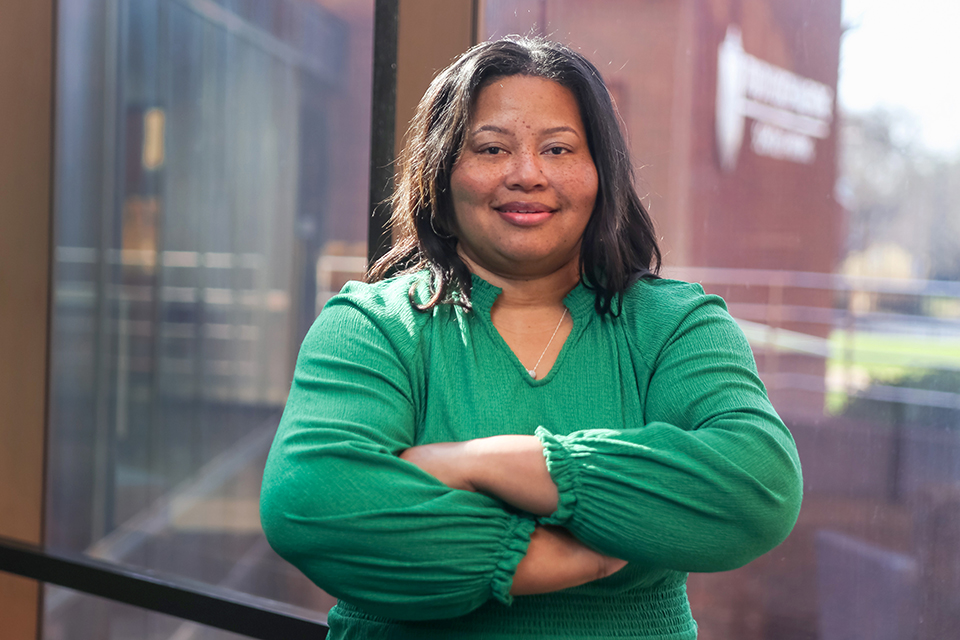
(618, 244)
(525, 433)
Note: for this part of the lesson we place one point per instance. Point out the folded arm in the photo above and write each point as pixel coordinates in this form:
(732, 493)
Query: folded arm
(711, 481)
(360, 522)
(372, 528)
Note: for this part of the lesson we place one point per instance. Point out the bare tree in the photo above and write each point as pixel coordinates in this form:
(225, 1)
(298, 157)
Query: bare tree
(896, 191)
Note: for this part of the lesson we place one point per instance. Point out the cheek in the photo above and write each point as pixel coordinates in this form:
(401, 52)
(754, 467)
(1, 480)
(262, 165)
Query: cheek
(582, 185)
(590, 190)
(467, 196)
(469, 183)
(592, 186)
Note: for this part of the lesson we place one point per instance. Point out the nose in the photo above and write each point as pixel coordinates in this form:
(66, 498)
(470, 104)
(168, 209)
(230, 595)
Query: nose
(526, 171)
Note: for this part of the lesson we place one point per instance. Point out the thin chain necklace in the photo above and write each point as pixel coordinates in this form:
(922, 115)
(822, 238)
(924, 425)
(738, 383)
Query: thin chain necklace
(533, 372)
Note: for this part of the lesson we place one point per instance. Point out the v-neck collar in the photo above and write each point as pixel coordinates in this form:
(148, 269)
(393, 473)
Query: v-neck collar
(580, 303)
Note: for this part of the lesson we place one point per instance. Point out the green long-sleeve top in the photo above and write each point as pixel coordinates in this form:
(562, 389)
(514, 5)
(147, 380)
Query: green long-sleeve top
(655, 426)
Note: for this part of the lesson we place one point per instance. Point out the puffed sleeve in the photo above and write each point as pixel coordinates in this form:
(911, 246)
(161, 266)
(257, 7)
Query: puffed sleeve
(710, 481)
(340, 505)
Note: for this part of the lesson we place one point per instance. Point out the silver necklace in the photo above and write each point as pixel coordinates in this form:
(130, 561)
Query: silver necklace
(533, 372)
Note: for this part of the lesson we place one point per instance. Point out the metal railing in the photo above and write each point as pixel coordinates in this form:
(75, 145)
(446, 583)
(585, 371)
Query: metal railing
(194, 601)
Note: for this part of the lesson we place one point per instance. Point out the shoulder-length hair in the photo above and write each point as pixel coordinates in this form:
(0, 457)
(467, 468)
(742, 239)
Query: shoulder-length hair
(619, 244)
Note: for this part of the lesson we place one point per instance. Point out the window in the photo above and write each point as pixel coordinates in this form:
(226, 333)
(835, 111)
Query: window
(211, 193)
(829, 224)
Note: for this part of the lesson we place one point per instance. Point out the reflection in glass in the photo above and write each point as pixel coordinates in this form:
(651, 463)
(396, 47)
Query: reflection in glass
(834, 238)
(100, 618)
(211, 195)
(210, 192)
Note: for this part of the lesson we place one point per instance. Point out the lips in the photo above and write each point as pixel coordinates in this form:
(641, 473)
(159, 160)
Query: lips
(524, 214)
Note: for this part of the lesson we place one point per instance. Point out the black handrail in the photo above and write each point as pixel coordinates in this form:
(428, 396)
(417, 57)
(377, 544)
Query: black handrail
(188, 599)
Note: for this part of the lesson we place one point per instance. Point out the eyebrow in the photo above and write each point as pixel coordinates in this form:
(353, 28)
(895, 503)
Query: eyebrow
(550, 131)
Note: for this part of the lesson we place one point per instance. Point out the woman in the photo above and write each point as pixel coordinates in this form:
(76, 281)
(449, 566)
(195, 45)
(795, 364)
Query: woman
(526, 433)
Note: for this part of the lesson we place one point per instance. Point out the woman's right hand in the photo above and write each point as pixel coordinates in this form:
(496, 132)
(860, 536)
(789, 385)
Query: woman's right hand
(556, 560)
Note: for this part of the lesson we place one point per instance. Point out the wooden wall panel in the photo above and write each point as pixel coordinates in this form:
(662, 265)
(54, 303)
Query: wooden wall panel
(26, 109)
(431, 34)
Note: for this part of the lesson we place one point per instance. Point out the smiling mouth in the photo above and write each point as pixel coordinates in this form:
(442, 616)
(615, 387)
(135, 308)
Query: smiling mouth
(525, 214)
(524, 208)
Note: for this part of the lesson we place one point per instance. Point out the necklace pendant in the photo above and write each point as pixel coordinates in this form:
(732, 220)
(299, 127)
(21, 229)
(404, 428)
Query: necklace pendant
(533, 372)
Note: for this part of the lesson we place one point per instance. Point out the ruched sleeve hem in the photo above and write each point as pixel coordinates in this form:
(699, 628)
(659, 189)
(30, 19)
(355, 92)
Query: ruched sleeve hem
(565, 473)
(515, 543)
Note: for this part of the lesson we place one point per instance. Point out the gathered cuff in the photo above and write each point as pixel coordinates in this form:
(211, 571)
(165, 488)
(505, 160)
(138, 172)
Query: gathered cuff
(565, 473)
(515, 544)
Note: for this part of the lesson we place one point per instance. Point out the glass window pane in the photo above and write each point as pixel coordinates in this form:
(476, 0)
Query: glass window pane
(798, 165)
(211, 194)
(72, 615)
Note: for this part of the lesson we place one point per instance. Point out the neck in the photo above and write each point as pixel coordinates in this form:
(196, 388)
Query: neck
(546, 290)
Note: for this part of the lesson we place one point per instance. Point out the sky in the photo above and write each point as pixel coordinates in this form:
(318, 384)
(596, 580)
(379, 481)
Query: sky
(905, 55)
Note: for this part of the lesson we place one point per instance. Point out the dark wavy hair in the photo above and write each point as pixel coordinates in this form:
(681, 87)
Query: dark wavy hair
(619, 244)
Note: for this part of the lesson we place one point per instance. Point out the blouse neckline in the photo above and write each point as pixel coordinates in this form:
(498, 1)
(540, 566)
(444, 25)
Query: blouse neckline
(579, 301)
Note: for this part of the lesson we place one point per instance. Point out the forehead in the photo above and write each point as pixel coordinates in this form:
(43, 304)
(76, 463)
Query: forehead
(530, 100)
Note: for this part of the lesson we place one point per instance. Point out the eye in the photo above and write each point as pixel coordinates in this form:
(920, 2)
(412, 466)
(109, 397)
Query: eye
(557, 150)
(491, 151)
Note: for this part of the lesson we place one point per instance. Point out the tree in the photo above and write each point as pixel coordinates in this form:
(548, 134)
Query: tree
(896, 191)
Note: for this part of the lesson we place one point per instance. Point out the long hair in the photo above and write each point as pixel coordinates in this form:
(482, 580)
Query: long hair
(619, 244)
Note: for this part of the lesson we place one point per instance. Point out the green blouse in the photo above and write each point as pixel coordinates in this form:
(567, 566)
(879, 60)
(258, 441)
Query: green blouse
(656, 429)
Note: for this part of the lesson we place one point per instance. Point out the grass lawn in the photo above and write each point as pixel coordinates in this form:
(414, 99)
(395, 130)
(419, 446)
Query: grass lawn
(858, 359)
(879, 352)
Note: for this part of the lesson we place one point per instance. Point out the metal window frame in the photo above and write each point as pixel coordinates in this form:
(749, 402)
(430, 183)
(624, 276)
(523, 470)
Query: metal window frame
(383, 117)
